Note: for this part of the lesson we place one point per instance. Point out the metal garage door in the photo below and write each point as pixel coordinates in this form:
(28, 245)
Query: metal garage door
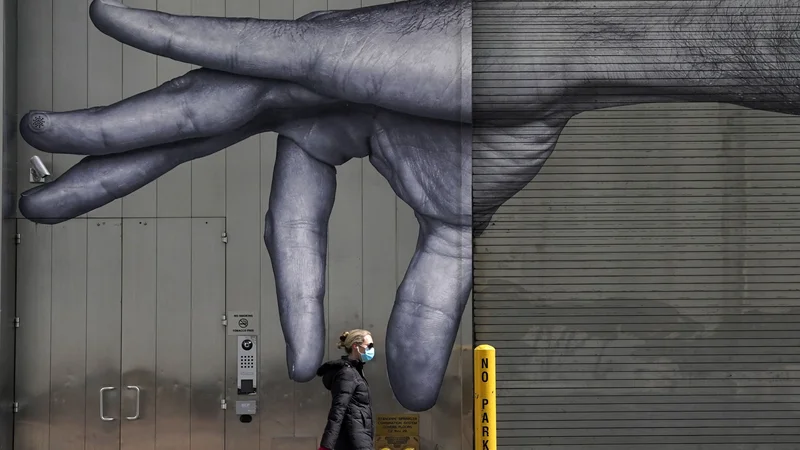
(120, 344)
(642, 290)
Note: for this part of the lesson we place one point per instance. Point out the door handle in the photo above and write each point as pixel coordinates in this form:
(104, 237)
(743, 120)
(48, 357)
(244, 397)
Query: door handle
(138, 397)
(102, 403)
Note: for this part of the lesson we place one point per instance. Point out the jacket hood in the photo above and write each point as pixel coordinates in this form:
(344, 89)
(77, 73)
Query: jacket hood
(329, 369)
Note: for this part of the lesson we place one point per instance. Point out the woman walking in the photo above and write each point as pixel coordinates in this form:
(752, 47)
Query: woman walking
(350, 425)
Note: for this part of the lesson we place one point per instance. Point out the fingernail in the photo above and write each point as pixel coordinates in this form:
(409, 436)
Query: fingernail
(32, 191)
(38, 122)
(302, 367)
(113, 3)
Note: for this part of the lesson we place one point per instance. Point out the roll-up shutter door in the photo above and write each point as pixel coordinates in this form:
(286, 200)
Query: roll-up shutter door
(643, 291)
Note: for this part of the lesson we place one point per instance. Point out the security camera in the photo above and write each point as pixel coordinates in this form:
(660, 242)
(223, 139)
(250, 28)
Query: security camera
(39, 172)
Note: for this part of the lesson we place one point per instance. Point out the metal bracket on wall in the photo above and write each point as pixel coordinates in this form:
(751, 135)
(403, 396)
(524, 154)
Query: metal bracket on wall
(35, 178)
(38, 172)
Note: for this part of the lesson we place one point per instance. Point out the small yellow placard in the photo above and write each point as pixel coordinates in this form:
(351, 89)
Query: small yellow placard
(397, 443)
(397, 425)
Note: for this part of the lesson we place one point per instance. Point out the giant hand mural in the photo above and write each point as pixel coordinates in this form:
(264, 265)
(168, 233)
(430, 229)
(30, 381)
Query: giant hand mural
(392, 83)
(362, 102)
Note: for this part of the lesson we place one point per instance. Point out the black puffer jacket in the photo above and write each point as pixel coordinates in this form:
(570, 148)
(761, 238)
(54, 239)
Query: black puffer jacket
(350, 425)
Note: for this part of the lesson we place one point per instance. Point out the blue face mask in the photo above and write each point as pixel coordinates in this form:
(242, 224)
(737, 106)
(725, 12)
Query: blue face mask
(368, 354)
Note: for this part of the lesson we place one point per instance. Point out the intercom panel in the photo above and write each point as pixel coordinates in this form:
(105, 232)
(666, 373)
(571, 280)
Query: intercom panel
(247, 365)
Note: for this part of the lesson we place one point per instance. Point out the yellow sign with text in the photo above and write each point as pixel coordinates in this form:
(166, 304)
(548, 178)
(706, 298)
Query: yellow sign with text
(397, 425)
(397, 443)
(397, 432)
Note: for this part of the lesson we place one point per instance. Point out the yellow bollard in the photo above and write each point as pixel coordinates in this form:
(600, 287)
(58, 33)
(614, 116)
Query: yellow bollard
(485, 410)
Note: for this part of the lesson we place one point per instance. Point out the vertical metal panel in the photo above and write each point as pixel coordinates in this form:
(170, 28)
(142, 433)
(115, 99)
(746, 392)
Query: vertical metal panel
(312, 400)
(406, 244)
(32, 423)
(104, 85)
(277, 409)
(243, 256)
(466, 368)
(103, 333)
(379, 274)
(9, 224)
(7, 331)
(446, 414)
(34, 74)
(174, 334)
(208, 180)
(380, 267)
(68, 336)
(345, 259)
(70, 65)
(208, 334)
(453, 408)
(139, 309)
(139, 74)
(174, 189)
(467, 332)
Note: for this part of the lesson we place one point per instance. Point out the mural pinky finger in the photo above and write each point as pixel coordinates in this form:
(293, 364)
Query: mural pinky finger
(98, 180)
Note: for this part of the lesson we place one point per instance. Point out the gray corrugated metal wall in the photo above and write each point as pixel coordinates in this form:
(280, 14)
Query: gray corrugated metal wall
(641, 291)
(64, 64)
(649, 296)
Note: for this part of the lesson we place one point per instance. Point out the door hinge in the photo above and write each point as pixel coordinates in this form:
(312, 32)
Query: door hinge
(16, 322)
(224, 237)
(223, 404)
(17, 238)
(224, 320)
(15, 407)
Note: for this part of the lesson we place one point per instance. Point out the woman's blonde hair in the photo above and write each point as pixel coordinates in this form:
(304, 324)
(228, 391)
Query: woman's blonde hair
(348, 338)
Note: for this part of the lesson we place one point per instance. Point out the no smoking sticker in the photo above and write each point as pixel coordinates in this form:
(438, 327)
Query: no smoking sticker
(242, 322)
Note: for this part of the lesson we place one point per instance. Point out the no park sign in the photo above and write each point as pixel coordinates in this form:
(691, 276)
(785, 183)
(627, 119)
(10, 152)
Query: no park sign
(485, 409)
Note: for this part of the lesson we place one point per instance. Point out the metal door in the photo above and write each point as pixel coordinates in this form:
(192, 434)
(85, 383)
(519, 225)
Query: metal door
(120, 343)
